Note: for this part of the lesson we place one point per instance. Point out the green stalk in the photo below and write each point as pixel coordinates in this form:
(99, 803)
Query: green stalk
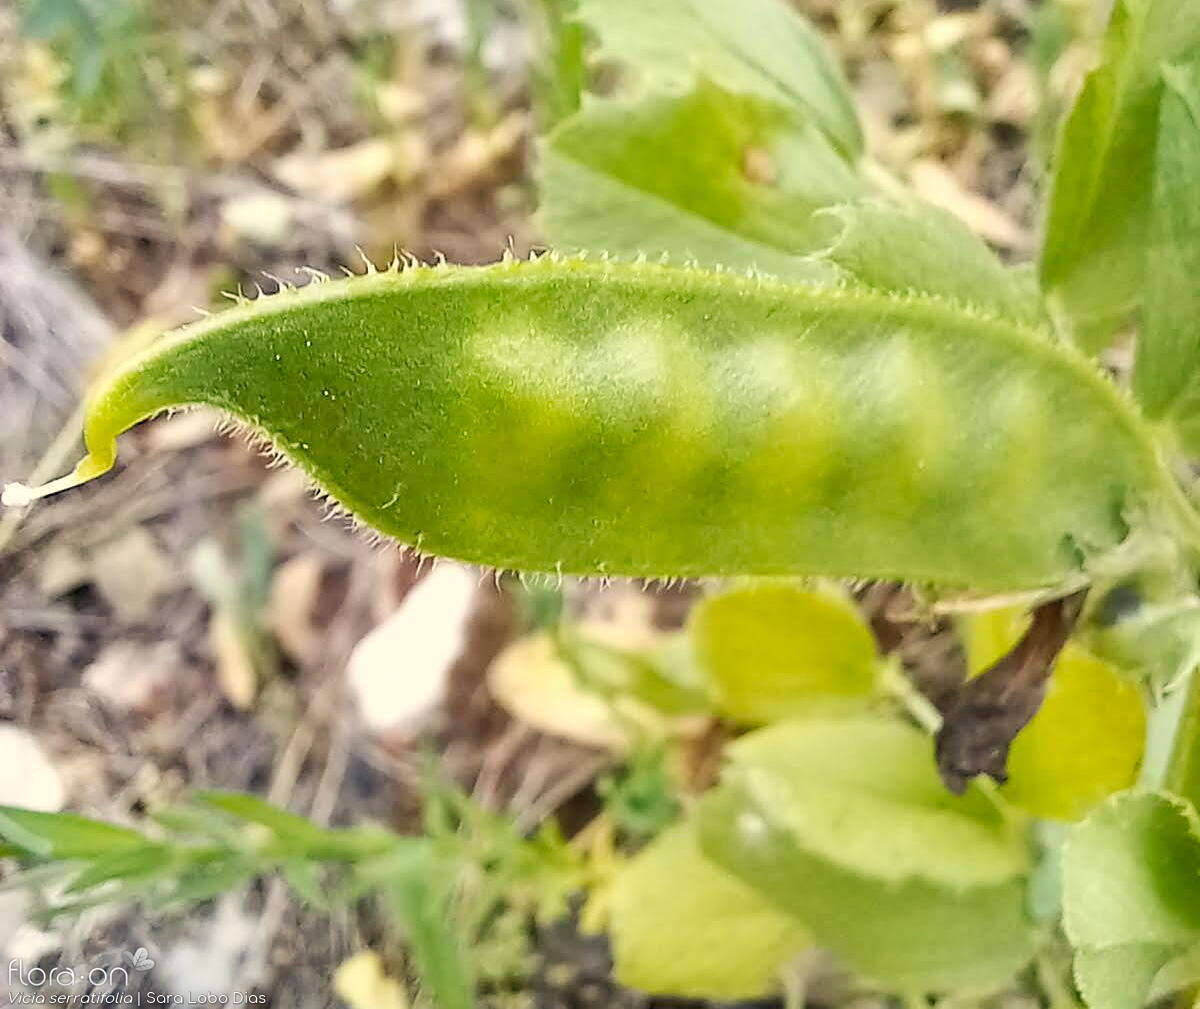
(441, 962)
(1183, 770)
(1172, 759)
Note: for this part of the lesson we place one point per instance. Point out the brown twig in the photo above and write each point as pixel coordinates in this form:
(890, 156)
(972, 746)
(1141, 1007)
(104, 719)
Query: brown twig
(992, 708)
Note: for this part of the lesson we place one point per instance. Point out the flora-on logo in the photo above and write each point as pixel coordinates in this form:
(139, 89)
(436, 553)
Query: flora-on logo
(139, 959)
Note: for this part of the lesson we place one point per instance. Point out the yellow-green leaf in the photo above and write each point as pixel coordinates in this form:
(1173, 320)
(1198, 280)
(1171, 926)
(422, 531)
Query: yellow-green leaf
(1086, 741)
(773, 651)
(533, 681)
(913, 936)
(905, 245)
(863, 793)
(683, 926)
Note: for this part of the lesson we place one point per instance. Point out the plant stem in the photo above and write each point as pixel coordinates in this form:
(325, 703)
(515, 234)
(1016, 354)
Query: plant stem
(1183, 771)
(1051, 976)
(442, 963)
(1172, 759)
(918, 706)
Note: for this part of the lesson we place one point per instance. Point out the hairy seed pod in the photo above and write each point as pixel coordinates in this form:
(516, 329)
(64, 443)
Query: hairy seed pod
(631, 419)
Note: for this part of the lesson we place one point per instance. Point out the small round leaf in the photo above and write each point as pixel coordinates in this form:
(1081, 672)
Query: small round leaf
(773, 651)
(683, 926)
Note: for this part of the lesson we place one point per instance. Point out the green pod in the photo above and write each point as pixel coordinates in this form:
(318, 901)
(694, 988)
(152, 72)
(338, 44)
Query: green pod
(632, 419)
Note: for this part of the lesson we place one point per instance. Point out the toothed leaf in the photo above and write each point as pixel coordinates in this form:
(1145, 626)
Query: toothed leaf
(755, 47)
(912, 247)
(1131, 895)
(726, 180)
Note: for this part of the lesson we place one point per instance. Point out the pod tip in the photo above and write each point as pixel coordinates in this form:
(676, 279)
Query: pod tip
(17, 495)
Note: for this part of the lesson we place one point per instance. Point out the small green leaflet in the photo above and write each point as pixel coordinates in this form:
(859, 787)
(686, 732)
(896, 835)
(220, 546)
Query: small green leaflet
(755, 47)
(672, 908)
(1167, 373)
(913, 936)
(862, 792)
(774, 651)
(911, 247)
(707, 175)
(1086, 740)
(1131, 895)
(45, 836)
(844, 824)
(1093, 260)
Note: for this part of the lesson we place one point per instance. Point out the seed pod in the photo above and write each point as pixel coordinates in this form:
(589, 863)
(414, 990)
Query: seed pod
(630, 419)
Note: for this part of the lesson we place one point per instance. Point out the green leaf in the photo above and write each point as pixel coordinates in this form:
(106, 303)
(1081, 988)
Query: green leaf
(775, 651)
(294, 833)
(1131, 873)
(535, 682)
(1131, 895)
(129, 865)
(254, 810)
(911, 936)
(1157, 643)
(671, 909)
(1086, 741)
(727, 180)
(1093, 262)
(1166, 377)
(1181, 972)
(757, 47)
(43, 19)
(1118, 978)
(641, 420)
(641, 797)
(616, 673)
(863, 793)
(205, 879)
(309, 881)
(1083, 745)
(63, 835)
(558, 72)
(417, 889)
(914, 247)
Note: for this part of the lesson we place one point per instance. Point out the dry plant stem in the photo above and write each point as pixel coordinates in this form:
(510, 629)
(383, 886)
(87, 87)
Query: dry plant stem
(992, 708)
